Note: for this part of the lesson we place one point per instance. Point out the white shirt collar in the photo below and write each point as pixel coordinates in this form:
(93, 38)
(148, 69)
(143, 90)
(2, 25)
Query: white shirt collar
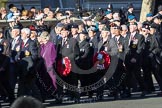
(117, 37)
(133, 34)
(16, 38)
(25, 41)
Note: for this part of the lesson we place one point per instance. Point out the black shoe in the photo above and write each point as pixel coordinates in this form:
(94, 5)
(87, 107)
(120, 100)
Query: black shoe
(100, 97)
(125, 95)
(77, 101)
(58, 101)
(143, 94)
(159, 94)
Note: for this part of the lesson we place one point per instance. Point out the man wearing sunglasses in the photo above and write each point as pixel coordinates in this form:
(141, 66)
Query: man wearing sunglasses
(134, 48)
(149, 63)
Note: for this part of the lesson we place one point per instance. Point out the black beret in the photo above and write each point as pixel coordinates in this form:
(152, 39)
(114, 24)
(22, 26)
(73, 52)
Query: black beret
(66, 27)
(74, 26)
(146, 26)
(10, 6)
(130, 5)
(16, 27)
(153, 25)
(103, 22)
(117, 27)
(84, 32)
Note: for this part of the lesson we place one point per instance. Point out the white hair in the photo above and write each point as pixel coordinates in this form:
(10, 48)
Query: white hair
(26, 30)
(124, 27)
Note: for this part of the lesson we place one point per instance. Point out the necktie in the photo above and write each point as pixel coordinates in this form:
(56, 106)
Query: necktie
(116, 39)
(13, 44)
(131, 38)
(22, 45)
(63, 42)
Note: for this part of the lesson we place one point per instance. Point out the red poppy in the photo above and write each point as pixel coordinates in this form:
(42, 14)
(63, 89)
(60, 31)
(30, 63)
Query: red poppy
(64, 69)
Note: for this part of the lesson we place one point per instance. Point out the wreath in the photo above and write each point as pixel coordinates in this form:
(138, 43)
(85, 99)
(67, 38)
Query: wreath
(101, 60)
(64, 66)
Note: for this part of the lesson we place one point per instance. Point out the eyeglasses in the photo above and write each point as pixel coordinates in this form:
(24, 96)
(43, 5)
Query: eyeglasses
(144, 30)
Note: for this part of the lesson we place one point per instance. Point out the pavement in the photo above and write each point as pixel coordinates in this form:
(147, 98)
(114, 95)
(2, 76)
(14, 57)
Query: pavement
(153, 102)
(136, 101)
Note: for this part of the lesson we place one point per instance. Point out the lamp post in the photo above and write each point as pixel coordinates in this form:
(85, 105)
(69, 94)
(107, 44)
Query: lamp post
(78, 5)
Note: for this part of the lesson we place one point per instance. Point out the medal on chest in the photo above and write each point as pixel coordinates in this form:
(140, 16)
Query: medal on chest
(18, 48)
(135, 41)
(120, 47)
(27, 53)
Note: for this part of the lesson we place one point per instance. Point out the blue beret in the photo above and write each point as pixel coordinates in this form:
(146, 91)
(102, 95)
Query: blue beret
(9, 16)
(131, 17)
(149, 15)
(108, 12)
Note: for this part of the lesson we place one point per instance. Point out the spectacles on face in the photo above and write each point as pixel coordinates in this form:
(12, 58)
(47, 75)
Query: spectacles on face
(143, 30)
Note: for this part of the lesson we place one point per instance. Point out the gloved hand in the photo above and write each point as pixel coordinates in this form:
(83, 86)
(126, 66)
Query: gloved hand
(100, 67)
(77, 58)
(161, 55)
(151, 55)
(133, 60)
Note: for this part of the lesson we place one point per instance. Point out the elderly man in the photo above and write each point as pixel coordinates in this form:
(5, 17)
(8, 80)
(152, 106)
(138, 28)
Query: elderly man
(27, 55)
(5, 87)
(14, 50)
(68, 48)
(149, 63)
(106, 44)
(134, 48)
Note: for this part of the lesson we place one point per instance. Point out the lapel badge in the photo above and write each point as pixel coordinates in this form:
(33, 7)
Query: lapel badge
(120, 47)
(18, 48)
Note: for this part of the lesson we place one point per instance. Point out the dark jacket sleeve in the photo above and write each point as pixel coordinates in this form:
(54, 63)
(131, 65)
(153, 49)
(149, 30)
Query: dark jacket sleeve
(112, 48)
(75, 49)
(87, 49)
(140, 44)
(33, 50)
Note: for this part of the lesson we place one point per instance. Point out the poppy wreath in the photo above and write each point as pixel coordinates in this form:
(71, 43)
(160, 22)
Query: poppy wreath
(104, 62)
(64, 66)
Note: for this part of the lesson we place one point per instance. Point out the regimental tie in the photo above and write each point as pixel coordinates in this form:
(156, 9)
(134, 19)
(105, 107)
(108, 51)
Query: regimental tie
(63, 42)
(22, 44)
(13, 44)
(131, 38)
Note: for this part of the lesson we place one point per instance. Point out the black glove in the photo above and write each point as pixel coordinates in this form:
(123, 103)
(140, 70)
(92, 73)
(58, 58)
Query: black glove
(161, 55)
(77, 58)
(151, 55)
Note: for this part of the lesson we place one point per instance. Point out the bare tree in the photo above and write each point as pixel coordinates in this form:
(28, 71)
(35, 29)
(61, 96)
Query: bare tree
(147, 7)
